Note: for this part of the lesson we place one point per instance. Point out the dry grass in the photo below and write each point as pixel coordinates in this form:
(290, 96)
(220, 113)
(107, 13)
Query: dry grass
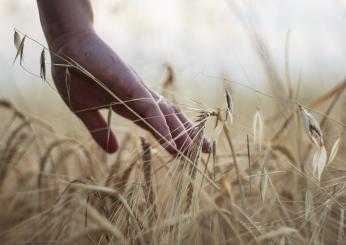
(255, 187)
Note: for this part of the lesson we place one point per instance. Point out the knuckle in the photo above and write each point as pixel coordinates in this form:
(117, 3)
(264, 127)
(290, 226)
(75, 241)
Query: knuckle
(169, 108)
(149, 108)
(176, 109)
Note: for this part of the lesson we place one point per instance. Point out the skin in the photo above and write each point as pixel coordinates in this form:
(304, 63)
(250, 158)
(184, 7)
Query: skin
(68, 27)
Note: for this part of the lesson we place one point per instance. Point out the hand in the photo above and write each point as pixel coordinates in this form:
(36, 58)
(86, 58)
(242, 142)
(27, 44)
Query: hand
(85, 97)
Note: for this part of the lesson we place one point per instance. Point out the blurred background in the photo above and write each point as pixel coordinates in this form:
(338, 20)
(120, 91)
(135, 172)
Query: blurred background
(203, 41)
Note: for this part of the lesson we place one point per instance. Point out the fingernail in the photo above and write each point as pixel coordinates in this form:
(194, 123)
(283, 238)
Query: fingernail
(206, 145)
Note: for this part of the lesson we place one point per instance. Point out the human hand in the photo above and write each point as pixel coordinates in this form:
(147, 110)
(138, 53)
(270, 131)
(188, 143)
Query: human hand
(85, 97)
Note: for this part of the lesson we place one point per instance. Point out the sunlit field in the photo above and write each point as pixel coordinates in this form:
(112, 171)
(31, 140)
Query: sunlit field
(275, 173)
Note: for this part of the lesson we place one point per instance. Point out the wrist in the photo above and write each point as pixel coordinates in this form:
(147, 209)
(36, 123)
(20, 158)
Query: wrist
(64, 18)
(56, 37)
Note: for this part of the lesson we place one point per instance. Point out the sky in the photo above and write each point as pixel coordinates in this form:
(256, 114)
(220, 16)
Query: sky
(203, 40)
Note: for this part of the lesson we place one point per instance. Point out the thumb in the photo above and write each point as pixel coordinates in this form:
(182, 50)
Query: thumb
(98, 129)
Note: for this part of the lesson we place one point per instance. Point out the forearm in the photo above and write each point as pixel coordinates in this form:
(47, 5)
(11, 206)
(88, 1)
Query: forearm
(64, 17)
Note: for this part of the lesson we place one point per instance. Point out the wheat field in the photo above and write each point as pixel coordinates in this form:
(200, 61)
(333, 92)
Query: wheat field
(279, 180)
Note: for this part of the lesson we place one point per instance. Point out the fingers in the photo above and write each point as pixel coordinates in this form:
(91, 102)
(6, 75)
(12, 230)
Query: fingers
(98, 129)
(129, 115)
(185, 127)
(152, 116)
(190, 128)
(176, 127)
(159, 118)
